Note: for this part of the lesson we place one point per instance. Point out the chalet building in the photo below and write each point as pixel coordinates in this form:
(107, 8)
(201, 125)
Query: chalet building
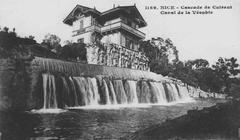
(112, 36)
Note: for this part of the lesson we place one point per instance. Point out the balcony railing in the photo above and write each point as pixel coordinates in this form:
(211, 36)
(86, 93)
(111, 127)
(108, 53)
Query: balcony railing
(87, 29)
(124, 26)
(110, 27)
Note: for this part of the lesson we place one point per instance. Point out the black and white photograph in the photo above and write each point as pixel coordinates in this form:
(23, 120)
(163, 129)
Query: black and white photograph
(119, 69)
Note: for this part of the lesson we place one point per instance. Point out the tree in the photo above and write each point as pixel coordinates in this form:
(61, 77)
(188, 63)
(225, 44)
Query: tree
(68, 42)
(74, 51)
(5, 29)
(52, 42)
(197, 63)
(161, 53)
(226, 69)
(235, 88)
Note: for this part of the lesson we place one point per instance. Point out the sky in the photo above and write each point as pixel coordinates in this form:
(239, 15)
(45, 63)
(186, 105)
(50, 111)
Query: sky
(195, 36)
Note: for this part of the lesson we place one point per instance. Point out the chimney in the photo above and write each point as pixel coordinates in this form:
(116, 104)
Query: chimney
(113, 5)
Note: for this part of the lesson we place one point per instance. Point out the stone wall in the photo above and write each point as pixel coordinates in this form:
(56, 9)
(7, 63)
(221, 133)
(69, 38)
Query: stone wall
(5, 76)
(92, 70)
(15, 84)
(117, 56)
(198, 93)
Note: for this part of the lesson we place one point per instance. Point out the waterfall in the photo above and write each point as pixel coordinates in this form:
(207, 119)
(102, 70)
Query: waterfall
(81, 90)
(106, 91)
(74, 92)
(112, 92)
(120, 92)
(158, 92)
(144, 95)
(65, 92)
(93, 94)
(49, 92)
(183, 91)
(175, 92)
(131, 91)
(88, 91)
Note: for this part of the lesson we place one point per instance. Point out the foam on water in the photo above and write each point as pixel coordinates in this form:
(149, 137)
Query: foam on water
(48, 111)
(97, 93)
(111, 107)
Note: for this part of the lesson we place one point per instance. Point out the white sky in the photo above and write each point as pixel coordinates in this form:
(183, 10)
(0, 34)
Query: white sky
(196, 36)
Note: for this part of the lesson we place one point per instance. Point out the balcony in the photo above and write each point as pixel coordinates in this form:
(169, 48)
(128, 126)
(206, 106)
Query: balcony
(121, 25)
(110, 27)
(87, 29)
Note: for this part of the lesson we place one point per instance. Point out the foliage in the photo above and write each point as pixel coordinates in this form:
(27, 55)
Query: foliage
(52, 42)
(197, 63)
(11, 45)
(234, 91)
(160, 51)
(218, 78)
(74, 51)
(225, 69)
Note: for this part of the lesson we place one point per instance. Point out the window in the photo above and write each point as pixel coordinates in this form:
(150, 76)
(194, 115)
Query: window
(127, 43)
(131, 44)
(81, 40)
(136, 46)
(133, 25)
(81, 24)
(123, 43)
(94, 21)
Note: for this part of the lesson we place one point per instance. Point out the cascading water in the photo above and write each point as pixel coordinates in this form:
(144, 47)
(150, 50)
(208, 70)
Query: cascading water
(49, 92)
(112, 93)
(74, 91)
(81, 90)
(120, 92)
(89, 91)
(93, 94)
(131, 91)
(175, 92)
(106, 91)
(143, 89)
(159, 92)
(171, 93)
(182, 91)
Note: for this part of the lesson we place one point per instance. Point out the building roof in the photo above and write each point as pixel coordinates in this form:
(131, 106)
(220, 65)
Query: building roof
(130, 10)
(79, 8)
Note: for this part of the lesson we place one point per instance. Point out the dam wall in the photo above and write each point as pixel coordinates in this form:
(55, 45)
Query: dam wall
(81, 69)
(52, 83)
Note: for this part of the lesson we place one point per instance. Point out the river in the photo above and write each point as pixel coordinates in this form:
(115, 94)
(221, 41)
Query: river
(91, 123)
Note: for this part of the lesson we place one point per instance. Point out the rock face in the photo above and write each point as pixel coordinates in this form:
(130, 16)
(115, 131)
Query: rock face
(116, 55)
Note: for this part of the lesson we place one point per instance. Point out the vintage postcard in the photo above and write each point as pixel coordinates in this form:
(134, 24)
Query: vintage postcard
(119, 69)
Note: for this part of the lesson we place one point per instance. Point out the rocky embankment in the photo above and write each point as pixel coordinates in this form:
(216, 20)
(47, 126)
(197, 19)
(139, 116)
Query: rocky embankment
(198, 93)
(218, 122)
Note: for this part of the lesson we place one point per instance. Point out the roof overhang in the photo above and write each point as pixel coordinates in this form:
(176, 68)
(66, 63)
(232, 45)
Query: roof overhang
(79, 9)
(128, 10)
